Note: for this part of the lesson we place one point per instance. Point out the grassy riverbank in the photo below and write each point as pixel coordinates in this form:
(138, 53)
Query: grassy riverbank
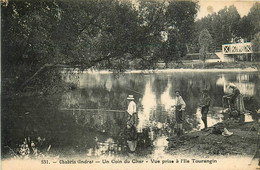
(243, 142)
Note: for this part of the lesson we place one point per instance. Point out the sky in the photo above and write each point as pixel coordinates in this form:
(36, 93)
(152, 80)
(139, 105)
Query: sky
(211, 6)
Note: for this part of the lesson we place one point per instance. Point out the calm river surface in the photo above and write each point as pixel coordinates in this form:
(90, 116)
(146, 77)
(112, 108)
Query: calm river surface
(91, 120)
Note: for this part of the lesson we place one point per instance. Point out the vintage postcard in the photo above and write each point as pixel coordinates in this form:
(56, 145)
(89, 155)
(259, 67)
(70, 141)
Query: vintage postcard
(130, 84)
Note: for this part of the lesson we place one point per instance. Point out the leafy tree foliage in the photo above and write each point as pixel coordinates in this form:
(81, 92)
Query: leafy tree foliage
(109, 34)
(227, 26)
(205, 41)
(223, 26)
(105, 34)
(178, 27)
(256, 45)
(250, 24)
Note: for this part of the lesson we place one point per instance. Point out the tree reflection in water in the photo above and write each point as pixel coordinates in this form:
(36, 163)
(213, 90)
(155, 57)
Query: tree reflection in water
(91, 120)
(104, 92)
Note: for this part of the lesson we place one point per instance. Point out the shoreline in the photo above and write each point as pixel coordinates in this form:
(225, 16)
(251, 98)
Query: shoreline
(171, 70)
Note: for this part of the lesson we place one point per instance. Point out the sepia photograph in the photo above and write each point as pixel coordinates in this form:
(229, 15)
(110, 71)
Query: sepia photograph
(130, 84)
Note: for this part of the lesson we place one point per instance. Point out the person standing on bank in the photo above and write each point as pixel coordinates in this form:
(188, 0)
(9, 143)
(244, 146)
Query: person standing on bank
(204, 104)
(131, 110)
(131, 132)
(179, 109)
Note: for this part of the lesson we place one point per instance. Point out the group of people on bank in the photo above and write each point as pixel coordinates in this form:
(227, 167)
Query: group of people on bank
(235, 101)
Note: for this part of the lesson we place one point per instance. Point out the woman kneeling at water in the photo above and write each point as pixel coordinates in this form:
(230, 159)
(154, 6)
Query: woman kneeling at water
(236, 100)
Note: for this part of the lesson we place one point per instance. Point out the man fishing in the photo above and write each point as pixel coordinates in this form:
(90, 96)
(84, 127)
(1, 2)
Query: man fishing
(179, 108)
(131, 110)
(131, 132)
(204, 104)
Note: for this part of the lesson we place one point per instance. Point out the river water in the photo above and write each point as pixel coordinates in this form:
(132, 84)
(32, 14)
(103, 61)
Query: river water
(90, 120)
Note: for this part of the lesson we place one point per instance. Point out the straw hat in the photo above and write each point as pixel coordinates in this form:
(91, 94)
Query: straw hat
(130, 97)
(232, 85)
(177, 91)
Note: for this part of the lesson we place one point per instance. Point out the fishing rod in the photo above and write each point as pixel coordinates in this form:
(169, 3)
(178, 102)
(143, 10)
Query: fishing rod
(86, 109)
(93, 110)
(134, 91)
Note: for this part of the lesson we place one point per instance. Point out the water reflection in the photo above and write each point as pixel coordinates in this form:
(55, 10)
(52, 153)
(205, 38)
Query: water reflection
(149, 104)
(166, 98)
(243, 82)
(107, 148)
(91, 120)
(212, 119)
(160, 146)
(100, 104)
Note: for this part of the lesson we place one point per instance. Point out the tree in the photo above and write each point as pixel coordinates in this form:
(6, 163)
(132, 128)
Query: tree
(245, 28)
(205, 41)
(180, 17)
(176, 31)
(151, 23)
(101, 34)
(223, 26)
(253, 21)
(26, 37)
(256, 45)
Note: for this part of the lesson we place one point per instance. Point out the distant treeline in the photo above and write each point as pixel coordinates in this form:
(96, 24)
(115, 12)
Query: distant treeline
(227, 26)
